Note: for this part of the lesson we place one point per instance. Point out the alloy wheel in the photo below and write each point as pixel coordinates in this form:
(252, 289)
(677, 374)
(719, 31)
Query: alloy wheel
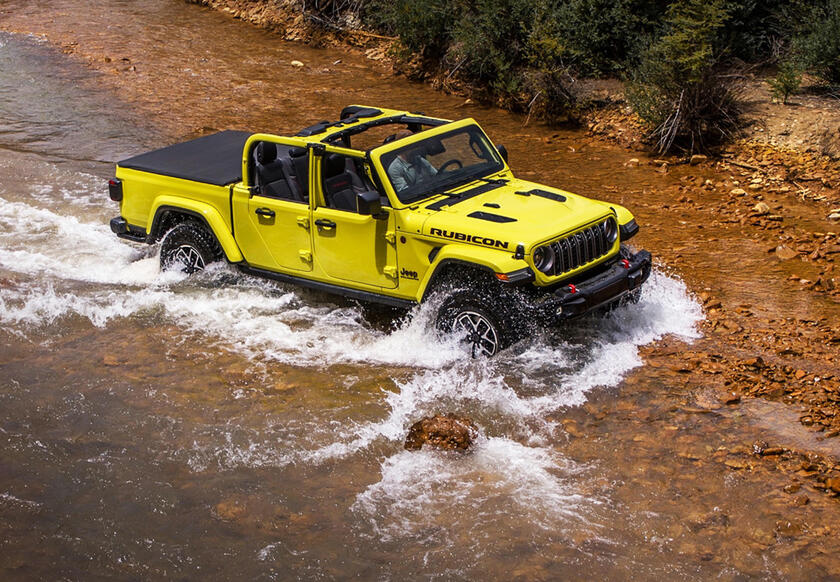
(190, 258)
(480, 333)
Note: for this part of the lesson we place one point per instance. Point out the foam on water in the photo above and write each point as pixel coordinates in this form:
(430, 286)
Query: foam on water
(37, 241)
(419, 492)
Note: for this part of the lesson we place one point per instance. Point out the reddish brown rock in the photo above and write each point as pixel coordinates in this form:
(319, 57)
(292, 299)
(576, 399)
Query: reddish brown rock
(448, 432)
(792, 488)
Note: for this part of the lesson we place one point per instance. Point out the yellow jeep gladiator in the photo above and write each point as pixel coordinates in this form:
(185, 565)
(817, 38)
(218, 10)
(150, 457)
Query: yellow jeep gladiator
(430, 210)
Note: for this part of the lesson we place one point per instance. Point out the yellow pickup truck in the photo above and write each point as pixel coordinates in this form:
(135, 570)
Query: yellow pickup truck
(431, 209)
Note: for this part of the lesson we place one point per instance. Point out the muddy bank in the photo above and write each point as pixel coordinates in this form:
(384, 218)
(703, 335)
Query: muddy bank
(288, 19)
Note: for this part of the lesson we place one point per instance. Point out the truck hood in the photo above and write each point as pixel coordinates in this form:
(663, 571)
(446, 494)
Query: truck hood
(503, 216)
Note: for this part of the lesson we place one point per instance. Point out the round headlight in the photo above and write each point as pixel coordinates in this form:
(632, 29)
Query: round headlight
(544, 259)
(611, 230)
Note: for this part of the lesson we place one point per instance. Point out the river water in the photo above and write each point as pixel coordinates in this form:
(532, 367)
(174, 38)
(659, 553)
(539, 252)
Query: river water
(224, 427)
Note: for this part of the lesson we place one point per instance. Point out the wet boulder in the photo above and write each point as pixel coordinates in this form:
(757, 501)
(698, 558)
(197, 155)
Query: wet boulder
(449, 432)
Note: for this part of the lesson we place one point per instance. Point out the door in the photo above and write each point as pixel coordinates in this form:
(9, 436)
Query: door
(283, 230)
(271, 212)
(350, 246)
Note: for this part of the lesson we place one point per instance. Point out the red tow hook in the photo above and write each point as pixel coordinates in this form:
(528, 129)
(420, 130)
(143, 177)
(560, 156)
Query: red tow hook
(572, 289)
(626, 263)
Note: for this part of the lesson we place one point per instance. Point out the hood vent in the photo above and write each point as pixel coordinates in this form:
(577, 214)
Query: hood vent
(490, 216)
(543, 194)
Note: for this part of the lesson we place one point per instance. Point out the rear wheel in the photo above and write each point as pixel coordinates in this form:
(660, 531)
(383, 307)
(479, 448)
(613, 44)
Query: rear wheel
(188, 248)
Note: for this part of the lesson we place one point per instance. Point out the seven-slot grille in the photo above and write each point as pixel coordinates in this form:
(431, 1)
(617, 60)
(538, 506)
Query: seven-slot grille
(580, 248)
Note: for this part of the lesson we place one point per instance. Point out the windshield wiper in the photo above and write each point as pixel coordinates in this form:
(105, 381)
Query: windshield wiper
(455, 182)
(499, 181)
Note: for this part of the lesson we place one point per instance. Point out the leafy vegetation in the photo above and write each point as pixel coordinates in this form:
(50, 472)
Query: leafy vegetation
(786, 82)
(679, 87)
(677, 56)
(818, 45)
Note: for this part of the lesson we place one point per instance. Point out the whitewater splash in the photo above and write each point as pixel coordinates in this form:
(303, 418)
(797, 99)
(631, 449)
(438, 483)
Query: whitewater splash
(269, 321)
(515, 467)
(501, 478)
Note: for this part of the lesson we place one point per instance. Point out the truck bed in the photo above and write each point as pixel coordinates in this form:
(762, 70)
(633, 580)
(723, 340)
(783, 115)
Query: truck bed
(213, 159)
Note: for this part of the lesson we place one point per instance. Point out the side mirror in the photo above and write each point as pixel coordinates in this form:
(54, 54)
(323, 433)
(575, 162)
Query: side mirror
(502, 151)
(368, 203)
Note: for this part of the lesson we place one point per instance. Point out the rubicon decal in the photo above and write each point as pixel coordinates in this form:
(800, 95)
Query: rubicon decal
(473, 238)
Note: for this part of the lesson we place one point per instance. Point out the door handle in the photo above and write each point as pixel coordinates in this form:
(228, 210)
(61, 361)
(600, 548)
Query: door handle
(265, 212)
(324, 223)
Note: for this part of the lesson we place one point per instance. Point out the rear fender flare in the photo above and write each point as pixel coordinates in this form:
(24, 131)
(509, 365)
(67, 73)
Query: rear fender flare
(203, 212)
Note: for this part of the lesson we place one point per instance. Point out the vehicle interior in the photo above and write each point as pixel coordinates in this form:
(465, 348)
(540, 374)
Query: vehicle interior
(281, 171)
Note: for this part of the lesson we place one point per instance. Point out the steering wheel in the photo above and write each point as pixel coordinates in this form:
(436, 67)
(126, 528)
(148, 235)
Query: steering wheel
(451, 162)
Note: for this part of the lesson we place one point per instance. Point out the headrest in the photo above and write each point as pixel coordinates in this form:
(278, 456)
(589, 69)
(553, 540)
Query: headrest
(297, 152)
(334, 164)
(433, 147)
(266, 152)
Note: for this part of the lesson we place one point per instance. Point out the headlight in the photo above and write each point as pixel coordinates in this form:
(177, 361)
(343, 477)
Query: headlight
(544, 259)
(610, 230)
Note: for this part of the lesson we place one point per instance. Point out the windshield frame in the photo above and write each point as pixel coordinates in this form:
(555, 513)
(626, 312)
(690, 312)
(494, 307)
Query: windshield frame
(438, 187)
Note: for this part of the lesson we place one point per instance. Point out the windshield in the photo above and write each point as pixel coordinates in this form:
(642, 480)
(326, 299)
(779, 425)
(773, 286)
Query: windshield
(440, 162)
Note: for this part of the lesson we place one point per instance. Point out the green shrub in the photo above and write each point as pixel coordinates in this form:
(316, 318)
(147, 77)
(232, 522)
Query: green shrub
(424, 26)
(678, 88)
(757, 30)
(489, 43)
(786, 82)
(599, 37)
(818, 45)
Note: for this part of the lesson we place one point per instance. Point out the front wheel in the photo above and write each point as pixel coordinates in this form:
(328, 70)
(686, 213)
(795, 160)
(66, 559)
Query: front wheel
(188, 248)
(476, 324)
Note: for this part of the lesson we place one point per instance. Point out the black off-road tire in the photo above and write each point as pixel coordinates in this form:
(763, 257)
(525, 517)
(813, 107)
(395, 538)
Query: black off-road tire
(488, 331)
(188, 247)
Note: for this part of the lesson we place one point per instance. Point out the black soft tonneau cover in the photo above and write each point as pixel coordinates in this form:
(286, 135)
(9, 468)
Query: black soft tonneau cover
(212, 159)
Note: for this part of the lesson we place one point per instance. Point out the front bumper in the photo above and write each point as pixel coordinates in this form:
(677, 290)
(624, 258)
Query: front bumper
(574, 300)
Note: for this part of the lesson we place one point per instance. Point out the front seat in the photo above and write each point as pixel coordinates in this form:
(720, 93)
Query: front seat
(271, 179)
(338, 184)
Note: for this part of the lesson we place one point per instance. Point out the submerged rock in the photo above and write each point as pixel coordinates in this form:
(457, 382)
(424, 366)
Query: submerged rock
(785, 253)
(447, 431)
(761, 208)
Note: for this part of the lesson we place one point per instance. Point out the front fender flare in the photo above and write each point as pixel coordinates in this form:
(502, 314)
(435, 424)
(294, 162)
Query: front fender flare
(203, 211)
(484, 259)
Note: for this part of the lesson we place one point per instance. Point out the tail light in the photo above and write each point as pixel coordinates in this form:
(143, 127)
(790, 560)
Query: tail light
(115, 190)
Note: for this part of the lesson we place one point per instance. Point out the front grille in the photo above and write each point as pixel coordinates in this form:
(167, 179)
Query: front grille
(580, 248)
